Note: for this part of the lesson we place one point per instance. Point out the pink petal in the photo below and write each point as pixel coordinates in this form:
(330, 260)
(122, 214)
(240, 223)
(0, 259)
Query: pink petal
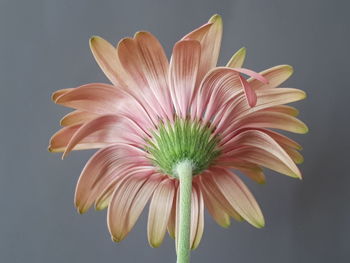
(159, 212)
(218, 87)
(183, 73)
(60, 139)
(273, 120)
(104, 167)
(237, 59)
(252, 74)
(215, 209)
(156, 68)
(127, 203)
(106, 57)
(257, 147)
(147, 67)
(94, 97)
(275, 76)
(107, 123)
(210, 40)
(238, 195)
(249, 92)
(209, 186)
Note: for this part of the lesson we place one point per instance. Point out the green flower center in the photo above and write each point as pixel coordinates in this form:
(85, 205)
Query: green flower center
(182, 140)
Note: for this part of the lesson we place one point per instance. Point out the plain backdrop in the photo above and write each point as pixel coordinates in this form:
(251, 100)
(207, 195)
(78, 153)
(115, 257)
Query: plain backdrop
(44, 47)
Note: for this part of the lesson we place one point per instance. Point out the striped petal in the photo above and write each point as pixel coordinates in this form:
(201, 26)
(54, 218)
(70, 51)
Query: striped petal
(106, 123)
(215, 209)
(183, 73)
(127, 203)
(94, 97)
(159, 212)
(60, 140)
(210, 40)
(104, 166)
(238, 195)
(256, 143)
(209, 186)
(200, 220)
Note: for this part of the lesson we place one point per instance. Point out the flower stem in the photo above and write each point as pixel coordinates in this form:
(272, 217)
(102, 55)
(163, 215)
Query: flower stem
(184, 173)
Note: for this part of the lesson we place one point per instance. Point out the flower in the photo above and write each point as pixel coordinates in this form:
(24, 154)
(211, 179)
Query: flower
(158, 117)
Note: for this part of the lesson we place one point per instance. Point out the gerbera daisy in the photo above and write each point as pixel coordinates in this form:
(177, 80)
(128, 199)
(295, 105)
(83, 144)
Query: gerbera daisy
(173, 132)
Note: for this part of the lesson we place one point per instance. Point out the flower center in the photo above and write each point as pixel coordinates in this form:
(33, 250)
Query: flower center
(182, 140)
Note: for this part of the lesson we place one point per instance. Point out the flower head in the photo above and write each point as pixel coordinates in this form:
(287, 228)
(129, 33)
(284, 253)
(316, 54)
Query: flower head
(157, 115)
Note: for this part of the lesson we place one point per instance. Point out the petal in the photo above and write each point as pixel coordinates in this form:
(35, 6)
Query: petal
(94, 97)
(159, 212)
(127, 203)
(237, 59)
(106, 57)
(284, 109)
(218, 87)
(194, 216)
(104, 167)
(215, 209)
(147, 66)
(106, 123)
(238, 195)
(257, 143)
(60, 139)
(275, 76)
(249, 92)
(183, 73)
(77, 117)
(210, 40)
(172, 219)
(273, 120)
(58, 93)
(155, 67)
(209, 186)
(200, 221)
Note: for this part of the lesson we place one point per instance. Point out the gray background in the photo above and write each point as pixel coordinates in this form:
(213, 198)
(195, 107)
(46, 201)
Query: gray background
(44, 47)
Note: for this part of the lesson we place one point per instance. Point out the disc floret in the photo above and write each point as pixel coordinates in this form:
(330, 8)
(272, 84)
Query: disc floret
(181, 140)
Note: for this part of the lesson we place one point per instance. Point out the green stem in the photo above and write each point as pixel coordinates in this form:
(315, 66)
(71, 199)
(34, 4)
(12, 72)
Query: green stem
(184, 173)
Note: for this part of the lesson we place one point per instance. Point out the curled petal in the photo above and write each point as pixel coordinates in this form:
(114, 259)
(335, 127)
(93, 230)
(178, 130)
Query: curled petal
(275, 76)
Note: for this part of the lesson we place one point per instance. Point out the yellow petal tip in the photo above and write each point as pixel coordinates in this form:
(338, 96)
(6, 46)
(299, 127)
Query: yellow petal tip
(215, 19)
